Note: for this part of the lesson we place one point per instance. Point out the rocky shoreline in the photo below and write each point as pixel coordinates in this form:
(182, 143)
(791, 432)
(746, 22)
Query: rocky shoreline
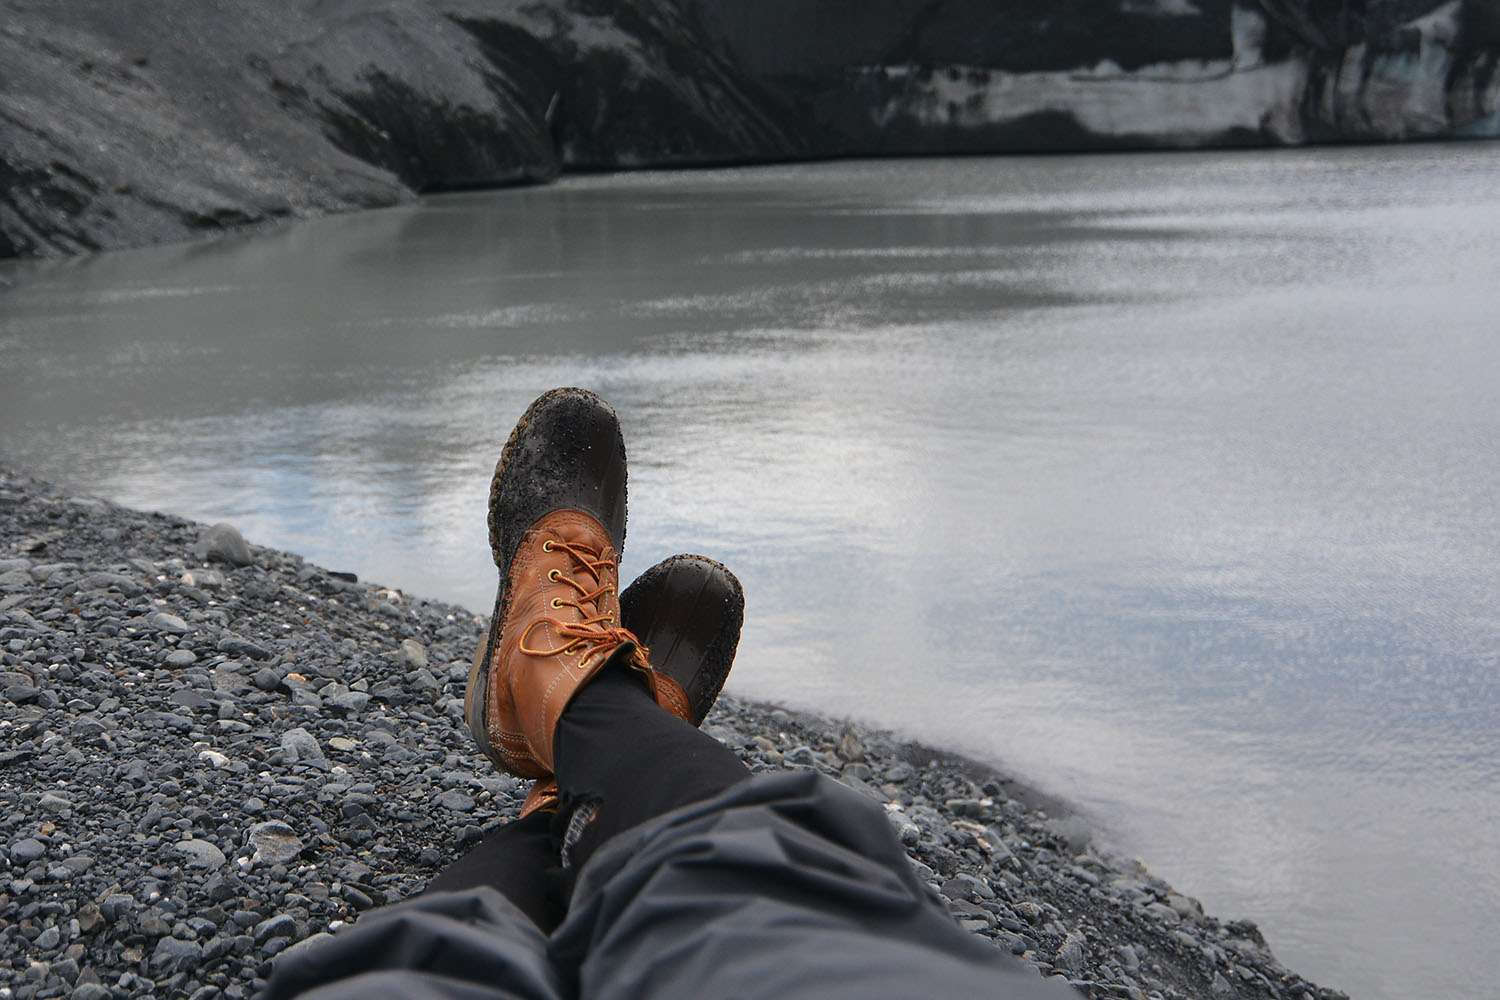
(210, 751)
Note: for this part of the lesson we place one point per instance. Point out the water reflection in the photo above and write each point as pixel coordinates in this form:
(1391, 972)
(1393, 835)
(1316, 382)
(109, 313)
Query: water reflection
(1168, 480)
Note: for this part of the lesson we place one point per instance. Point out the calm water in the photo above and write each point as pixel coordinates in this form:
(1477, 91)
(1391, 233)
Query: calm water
(1168, 481)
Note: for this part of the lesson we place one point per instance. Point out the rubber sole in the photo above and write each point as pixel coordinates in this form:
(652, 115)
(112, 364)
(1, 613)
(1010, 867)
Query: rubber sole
(688, 609)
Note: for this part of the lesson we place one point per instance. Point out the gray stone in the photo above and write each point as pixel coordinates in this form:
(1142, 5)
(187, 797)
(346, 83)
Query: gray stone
(223, 543)
(50, 938)
(227, 680)
(173, 954)
(207, 579)
(16, 579)
(1187, 909)
(1163, 913)
(274, 843)
(1070, 955)
(28, 850)
(849, 748)
(280, 925)
(236, 646)
(21, 694)
(353, 702)
(53, 802)
(179, 658)
(412, 654)
(299, 745)
(967, 887)
(1071, 830)
(214, 759)
(90, 991)
(900, 772)
(117, 905)
(266, 679)
(455, 800)
(201, 854)
(168, 623)
(111, 581)
(190, 698)
(358, 803)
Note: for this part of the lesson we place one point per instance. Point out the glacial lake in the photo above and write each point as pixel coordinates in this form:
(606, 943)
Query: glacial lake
(1168, 482)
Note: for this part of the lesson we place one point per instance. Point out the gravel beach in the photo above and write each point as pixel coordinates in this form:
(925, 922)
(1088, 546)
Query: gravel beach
(211, 751)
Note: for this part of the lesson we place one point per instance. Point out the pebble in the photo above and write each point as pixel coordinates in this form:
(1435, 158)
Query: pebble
(849, 748)
(274, 843)
(238, 646)
(28, 850)
(1070, 955)
(412, 655)
(299, 744)
(222, 543)
(455, 800)
(201, 854)
(53, 802)
(213, 758)
(172, 954)
(168, 623)
(280, 925)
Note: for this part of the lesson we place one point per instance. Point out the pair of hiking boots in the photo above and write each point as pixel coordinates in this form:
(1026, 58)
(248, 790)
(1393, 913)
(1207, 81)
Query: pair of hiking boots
(557, 528)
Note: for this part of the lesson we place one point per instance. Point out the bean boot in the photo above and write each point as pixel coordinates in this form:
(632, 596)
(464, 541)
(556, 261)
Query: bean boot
(557, 524)
(688, 610)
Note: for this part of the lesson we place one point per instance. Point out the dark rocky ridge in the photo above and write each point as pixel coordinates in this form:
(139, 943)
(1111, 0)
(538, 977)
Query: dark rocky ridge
(126, 122)
(212, 751)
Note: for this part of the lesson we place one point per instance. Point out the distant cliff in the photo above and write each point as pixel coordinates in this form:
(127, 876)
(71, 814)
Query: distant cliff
(127, 122)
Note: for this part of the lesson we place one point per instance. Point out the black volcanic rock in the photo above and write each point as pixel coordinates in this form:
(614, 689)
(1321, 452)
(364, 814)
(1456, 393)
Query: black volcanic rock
(127, 122)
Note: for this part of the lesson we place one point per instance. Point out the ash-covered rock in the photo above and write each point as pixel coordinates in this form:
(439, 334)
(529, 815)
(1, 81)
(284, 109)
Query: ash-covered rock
(201, 765)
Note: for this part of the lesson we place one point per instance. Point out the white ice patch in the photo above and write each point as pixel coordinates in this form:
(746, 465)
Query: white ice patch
(1247, 30)
(1180, 102)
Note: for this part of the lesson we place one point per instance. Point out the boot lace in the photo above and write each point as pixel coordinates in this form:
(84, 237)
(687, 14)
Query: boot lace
(596, 633)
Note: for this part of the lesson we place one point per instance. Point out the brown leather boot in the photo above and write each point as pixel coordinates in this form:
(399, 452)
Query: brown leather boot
(688, 609)
(557, 523)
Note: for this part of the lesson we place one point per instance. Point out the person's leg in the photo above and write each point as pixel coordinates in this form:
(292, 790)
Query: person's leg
(520, 860)
(622, 759)
(784, 885)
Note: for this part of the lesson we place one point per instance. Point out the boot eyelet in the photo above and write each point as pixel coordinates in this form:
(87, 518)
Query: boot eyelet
(554, 575)
(547, 545)
(556, 602)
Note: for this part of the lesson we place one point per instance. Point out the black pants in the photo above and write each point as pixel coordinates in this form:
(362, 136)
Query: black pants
(621, 760)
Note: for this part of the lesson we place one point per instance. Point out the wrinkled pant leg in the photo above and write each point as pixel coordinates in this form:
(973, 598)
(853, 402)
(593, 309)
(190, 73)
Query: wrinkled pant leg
(520, 860)
(623, 760)
(471, 945)
(786, 885)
